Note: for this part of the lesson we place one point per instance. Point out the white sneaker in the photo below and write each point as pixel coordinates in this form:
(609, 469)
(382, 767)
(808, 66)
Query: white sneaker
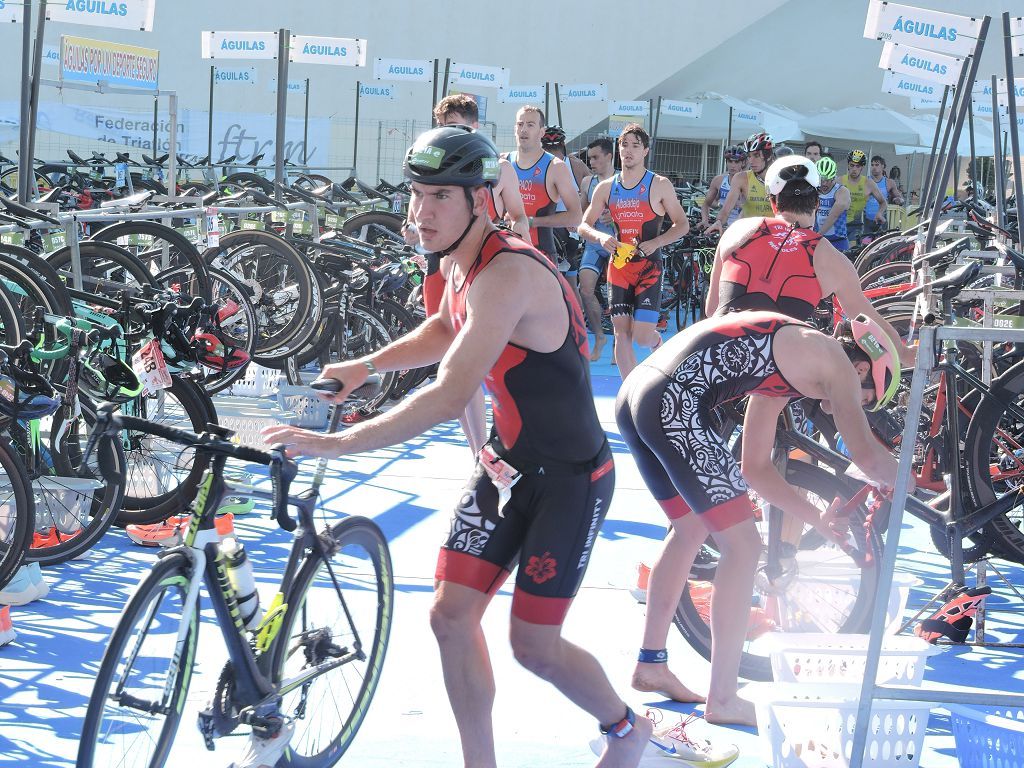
(264, 753)
(672, 746)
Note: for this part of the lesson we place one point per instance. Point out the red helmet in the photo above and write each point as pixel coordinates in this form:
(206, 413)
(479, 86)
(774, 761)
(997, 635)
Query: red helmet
(214, 353)
(760, 142)
(553, 136)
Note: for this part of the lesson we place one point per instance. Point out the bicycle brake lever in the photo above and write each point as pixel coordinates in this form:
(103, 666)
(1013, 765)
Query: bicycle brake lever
(282, 472)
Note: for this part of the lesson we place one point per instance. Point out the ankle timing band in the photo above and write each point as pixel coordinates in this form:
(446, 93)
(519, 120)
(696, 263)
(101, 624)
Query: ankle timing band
(647, 656)
(621, 729)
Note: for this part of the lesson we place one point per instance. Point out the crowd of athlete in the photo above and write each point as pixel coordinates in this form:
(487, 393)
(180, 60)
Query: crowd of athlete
(851, 206)
(503, 315)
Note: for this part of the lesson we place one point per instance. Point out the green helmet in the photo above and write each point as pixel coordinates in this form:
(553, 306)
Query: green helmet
(827, 168)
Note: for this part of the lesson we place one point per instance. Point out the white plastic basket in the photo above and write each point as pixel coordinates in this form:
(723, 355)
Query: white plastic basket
(247, 427)
(825, 658)
(988, 739)
(811, 725)
(257, 381)
(301, 409)
(64, 502)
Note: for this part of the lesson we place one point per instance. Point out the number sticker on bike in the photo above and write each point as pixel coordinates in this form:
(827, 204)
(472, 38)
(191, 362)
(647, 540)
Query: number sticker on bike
(151, 368)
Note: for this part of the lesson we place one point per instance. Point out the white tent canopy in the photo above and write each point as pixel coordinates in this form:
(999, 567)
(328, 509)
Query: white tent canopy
(747, 117)
(983, 144)
(871, 123)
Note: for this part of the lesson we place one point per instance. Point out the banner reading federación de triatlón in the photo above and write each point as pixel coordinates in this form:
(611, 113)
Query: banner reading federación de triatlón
(926, 65)
(112, 14)
(922, 28)
(93, 61)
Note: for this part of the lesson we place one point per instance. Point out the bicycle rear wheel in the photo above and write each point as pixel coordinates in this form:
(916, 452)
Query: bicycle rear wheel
(17, 511)
(821, 589)
(133, 713)
(343, 635)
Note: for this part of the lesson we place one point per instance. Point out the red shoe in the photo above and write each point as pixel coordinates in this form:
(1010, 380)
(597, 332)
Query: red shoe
(7, 633)
(42, 540)
(155, 534)
(357, 416)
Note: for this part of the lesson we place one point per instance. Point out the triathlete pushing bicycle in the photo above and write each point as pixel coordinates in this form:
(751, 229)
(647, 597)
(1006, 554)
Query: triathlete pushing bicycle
(664, 415)
(542, 483)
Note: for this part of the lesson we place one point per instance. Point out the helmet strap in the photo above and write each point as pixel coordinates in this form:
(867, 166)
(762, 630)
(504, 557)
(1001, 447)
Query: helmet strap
(472, 220)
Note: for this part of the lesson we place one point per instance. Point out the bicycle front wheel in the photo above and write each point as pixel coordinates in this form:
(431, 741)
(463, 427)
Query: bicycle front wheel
(820, 587)
(337, 626)
(143, 680)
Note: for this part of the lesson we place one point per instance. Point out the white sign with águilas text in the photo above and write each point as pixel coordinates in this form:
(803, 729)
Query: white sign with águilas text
(239, 45)
(922, 28)
(925, 65)
(112, 14)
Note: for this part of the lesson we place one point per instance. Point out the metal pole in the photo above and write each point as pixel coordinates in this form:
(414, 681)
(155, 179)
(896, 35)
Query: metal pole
(1011, 104)
(380, 130)
(655, 120)
(728, 141)
(209, 119)
(940, 172)
(447, 71)
(29, 150)
(433, 102)
(24, 160)
(282, 108)
(997, 159)
(172, 150)
(925, 185)
(972, 172)
(355, 134)
(968, 73)
(547, 97)
(305, 129)
(156, 122)
(558, 103)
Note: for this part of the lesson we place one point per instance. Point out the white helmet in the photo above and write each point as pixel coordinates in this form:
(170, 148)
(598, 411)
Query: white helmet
(791, 168)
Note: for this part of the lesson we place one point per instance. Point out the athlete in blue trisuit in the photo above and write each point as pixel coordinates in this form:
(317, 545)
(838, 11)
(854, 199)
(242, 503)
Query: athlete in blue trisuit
(718, 191)
(833, 204)
(601, 156)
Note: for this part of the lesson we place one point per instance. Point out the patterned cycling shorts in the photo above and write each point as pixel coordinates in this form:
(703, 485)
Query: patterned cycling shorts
(547, 528)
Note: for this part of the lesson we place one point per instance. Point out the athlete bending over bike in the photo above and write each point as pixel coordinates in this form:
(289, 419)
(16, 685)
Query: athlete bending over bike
(664, 415)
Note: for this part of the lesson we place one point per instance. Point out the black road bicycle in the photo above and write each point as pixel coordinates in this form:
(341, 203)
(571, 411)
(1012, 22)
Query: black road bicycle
(314, 660)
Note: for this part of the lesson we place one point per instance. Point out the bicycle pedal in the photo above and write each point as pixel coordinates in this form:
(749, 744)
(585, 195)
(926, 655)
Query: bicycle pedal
(207, 728)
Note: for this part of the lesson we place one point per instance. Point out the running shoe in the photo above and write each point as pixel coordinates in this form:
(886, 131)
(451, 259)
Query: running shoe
(20, 590)
(643, 575)
(7, 633)
(236, 505)
(35, 575)
(955, 618)
(265, 752)
(673, 746)
(51, 537)
(152, 535)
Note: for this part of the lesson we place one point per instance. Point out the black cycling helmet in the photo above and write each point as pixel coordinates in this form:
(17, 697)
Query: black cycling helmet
(454, 155)
(553, 136)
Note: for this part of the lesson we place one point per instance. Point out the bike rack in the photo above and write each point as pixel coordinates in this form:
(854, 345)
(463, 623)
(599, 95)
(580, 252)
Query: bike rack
(870, 690)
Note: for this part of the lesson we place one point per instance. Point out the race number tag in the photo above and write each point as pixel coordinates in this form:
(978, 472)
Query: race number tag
(151, 368)
(503, 475)
(212, 228)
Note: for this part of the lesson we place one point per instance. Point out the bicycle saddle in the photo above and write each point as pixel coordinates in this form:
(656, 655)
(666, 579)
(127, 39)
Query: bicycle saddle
(951, 283)
(948, 251)
(130, 201)
(23, 212)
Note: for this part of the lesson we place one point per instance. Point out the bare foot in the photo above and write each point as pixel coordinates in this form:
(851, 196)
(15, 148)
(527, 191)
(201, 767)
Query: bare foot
(599, 342)
(734, 711)
(626, 752)
(658, 678)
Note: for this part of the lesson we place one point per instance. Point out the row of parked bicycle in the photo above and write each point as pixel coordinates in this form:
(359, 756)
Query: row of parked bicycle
(162, 303)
